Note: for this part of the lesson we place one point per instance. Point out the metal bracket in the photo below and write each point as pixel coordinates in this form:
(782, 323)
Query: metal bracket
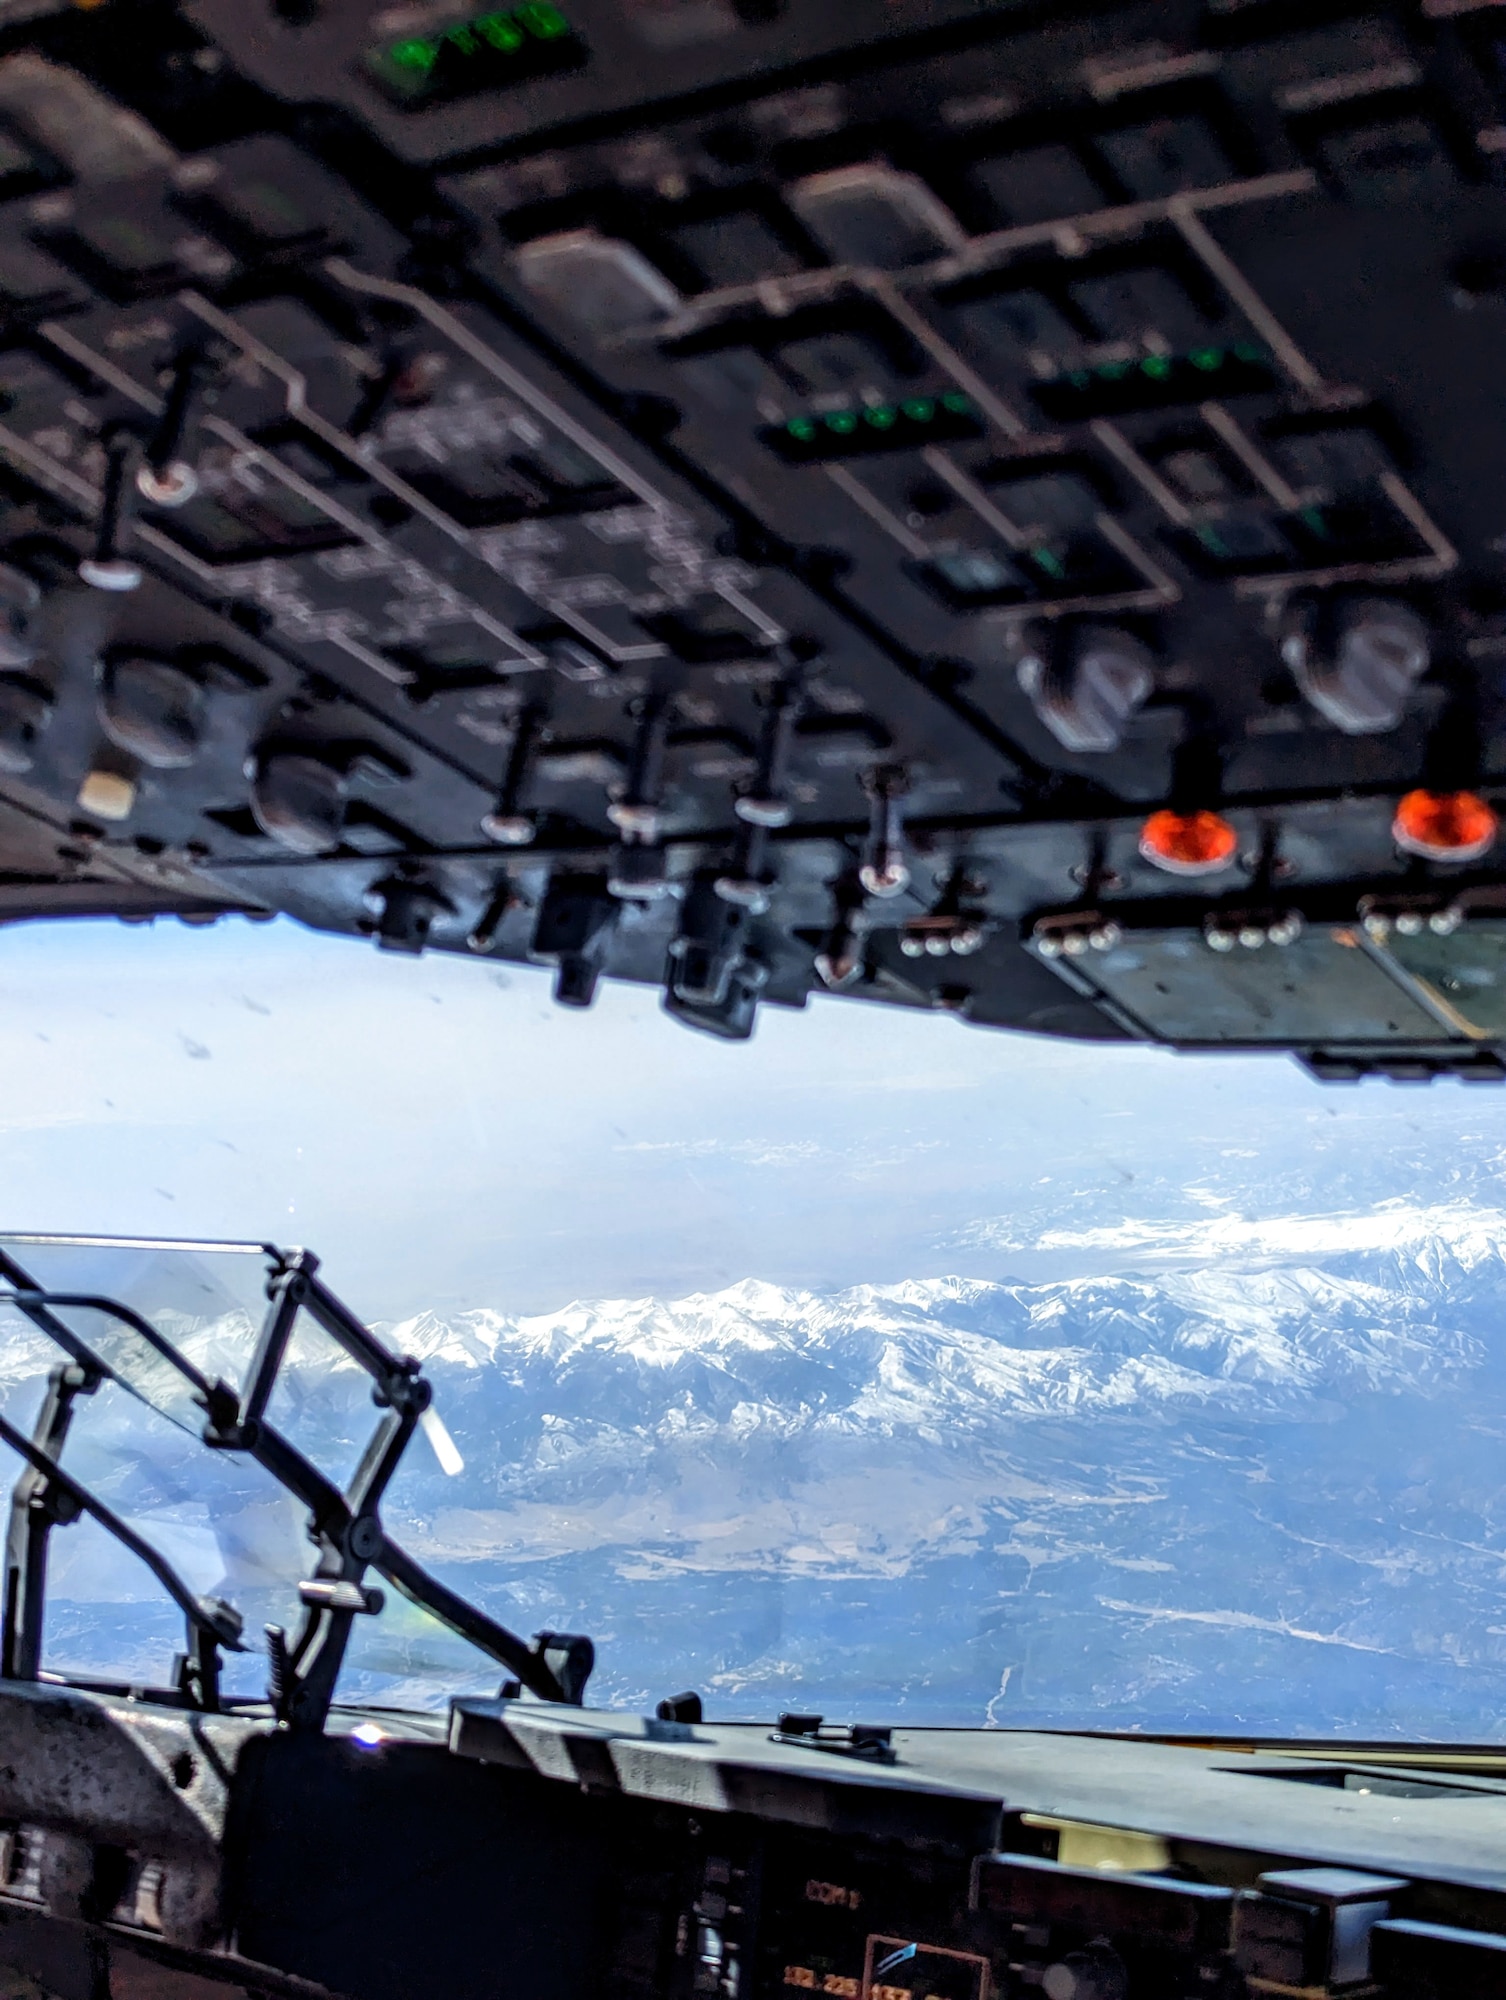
(345, 1526)
(38, 1505)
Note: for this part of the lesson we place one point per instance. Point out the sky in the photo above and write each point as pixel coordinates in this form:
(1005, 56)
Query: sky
(445, 1137)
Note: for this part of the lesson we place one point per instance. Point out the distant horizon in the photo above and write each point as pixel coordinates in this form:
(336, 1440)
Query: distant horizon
(440, 1133)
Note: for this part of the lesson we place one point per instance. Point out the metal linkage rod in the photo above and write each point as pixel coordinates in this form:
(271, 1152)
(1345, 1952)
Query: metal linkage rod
(526, 1663)
(36, 1508)
(31, 1299)
(331, 1518)
(359, 1342)
(286, 1291)
(93, 1302)
(208, 1614)
(37, 1306)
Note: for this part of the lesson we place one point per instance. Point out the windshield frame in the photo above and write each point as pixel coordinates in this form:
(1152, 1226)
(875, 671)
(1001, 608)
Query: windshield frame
(345, 1525)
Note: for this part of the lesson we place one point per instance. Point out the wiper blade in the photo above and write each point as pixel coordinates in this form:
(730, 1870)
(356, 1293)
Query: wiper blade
(37, 1306)
(91, 1302)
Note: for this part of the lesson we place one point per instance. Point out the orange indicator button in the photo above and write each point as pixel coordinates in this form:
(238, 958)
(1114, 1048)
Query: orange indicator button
(1445, 826)
(1195, 843)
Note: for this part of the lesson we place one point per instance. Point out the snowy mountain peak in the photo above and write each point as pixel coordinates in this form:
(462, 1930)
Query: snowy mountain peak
(1139, 1497)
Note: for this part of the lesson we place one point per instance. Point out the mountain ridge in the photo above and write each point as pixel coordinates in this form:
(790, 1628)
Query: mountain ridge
(1247, 1492)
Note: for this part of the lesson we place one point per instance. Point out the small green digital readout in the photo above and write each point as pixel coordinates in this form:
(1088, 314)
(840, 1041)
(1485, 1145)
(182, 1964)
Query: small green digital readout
(874, 427)
(487, 51)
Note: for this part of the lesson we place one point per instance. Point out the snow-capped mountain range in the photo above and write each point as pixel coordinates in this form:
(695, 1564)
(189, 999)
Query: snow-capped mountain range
(1250, 1477)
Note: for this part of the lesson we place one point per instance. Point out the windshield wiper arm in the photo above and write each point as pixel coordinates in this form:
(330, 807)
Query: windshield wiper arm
(92, 1302)
(37, 1306)
(212, 1623)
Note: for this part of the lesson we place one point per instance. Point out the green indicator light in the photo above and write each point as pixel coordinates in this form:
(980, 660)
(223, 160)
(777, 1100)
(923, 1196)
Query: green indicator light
(418, 56)
(1048, 561)
(1080, 378)
(543, 22)
(465, 55)
(843, 422)
(1213, 542)
(958, 404)
(919, 409)
(1245, 352)
(801, 428)
(1157, 367)
(882, 416)
(1312, 518)
(1207, 358)
(501, 31)
(1113, 371)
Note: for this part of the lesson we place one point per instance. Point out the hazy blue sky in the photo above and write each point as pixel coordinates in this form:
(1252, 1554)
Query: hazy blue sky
(444, 1135)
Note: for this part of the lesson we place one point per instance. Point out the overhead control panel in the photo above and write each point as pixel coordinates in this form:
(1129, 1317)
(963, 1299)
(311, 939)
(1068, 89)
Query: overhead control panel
(928, 500)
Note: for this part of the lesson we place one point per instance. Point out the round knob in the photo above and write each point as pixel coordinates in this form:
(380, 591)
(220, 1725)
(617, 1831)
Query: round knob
(174, 486)
(110, 573)
(1087, 687)
(513, 829)
(1095, 1974)
(1357, 662)
(299, 801)
(154, 711)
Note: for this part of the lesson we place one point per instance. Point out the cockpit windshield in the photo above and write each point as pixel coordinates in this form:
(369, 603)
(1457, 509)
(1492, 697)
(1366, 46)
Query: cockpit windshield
(879, 1368)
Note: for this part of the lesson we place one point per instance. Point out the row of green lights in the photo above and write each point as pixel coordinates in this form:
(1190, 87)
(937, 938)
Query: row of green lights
(879, 416)
(1158, 367)
(501, 33)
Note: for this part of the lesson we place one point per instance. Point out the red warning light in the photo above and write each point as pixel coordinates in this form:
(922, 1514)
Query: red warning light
(1445, 826)
(1195, 843)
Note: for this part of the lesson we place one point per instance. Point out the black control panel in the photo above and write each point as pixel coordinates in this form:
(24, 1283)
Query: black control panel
(985, 507)
(696, 1862)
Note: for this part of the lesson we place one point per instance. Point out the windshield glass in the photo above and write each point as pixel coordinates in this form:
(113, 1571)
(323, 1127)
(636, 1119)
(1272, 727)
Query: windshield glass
(882, 1367)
